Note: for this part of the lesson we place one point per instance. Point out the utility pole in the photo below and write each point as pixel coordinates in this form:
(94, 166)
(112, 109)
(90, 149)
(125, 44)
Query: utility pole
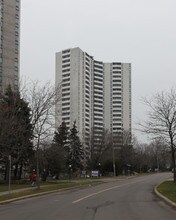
(10, 173)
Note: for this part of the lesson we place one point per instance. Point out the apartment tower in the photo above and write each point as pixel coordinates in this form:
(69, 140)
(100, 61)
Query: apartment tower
(95, 94)
(9, 43)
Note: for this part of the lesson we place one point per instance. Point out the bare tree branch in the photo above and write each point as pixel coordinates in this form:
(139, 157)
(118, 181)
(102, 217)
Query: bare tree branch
(161, 120)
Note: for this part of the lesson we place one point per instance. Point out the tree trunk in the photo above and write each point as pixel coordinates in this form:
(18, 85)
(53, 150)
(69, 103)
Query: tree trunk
(6, 177)
(20, 172)
(15, 171)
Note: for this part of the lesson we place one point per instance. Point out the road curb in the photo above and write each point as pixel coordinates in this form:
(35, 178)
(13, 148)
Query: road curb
(45, 193)
(165, 199)
(34, 195)
(55, 191)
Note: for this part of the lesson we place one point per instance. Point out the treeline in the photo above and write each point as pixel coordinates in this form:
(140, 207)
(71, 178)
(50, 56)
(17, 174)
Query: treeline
(26, 121)
(28, 136)
(16, 133)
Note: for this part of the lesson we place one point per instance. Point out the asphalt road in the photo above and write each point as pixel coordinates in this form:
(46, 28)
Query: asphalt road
(129, 199)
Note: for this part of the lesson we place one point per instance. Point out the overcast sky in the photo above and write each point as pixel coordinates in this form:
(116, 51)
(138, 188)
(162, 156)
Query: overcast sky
(141, 32)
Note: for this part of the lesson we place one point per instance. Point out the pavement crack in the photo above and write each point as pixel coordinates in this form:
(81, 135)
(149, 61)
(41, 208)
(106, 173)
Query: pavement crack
(95, 208)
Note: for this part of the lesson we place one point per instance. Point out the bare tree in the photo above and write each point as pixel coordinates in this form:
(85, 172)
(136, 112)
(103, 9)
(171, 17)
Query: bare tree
(161, 121)
(107, 147)
(42, 100)
(101, 145)
(126, 149)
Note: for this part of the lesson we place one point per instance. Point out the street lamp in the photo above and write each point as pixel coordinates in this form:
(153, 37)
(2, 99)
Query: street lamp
(70, 171)
(99, 165)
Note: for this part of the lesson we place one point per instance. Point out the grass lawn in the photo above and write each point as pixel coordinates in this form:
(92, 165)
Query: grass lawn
(31, 191)
(168, 189)
(5, 187)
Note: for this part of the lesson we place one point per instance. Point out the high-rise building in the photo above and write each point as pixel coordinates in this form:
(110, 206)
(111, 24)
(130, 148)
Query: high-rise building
(95, 94)
(9, 43)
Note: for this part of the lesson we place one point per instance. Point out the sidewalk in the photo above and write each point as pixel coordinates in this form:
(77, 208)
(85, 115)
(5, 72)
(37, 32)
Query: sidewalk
(16, 191)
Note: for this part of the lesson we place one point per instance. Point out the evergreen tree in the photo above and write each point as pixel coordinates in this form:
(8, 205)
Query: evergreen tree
(76, 153)
(61, 136)
(57, 154)
(15, 129)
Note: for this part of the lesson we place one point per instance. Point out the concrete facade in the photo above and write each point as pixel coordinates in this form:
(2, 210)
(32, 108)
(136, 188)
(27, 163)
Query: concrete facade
(9, 44)
(95, 94)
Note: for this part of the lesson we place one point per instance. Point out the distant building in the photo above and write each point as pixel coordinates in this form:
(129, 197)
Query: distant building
(9, 43)
(95, 94)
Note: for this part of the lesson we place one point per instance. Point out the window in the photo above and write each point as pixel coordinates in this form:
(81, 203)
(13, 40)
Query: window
(66, 56)
(66, 80)
(65, 113)
(66, 70)
(65, 109)
(66, 94)
(17, 16)
(65, 84)
(65, 51)
(65, 99)
(116, 63)
(66, 103)
(66, 89)
(66, 65)
(116, 67)
(66, 61)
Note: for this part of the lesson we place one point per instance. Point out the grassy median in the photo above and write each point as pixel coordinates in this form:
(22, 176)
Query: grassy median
(168, 189)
